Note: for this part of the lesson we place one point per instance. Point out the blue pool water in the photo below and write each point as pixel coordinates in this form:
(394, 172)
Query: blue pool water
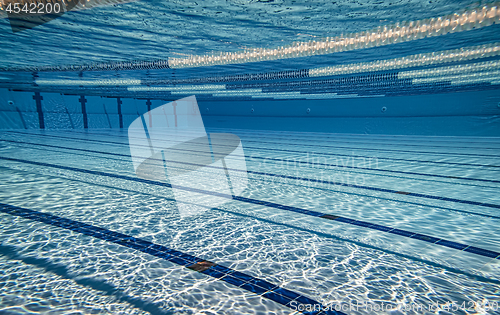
(139, 174)
(87, 177)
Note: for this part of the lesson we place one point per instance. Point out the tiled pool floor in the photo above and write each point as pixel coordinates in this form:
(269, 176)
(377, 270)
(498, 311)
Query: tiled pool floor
(335, 218)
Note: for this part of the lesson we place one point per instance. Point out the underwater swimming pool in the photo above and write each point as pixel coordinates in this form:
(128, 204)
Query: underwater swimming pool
(288, 241)
(333, 158)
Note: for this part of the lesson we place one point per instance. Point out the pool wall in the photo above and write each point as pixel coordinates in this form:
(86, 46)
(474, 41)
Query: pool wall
(468, 113)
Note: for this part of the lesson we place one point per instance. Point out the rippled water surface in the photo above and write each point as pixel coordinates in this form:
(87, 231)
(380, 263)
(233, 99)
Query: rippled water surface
(145, 30)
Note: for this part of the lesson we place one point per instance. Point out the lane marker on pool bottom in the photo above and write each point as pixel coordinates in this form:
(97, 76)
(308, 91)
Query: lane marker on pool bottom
(268, 149)
(267, 174)
(326, 164)
(312, 180)
(337, 147)
(373, 226)
(249, 283)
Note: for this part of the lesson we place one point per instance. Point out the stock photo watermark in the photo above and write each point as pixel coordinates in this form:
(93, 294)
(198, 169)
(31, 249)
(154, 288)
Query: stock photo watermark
(204, 170)
(169, 144)
(26, 14)
(317, 161)
(333, 171)
(371, 307)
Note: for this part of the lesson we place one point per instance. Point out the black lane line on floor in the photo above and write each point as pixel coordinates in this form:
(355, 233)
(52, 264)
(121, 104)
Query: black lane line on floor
(280, 150)
(308, 230)
(296, 178)
(309, 138)
(308, 163)
(324, 164)
(320, 153)
(344, 165)
(231, 276)
(357, 136)
(371, 149)
(232, 169)
(329, 139)
(354, 167)
(316, 145)
(422, 237)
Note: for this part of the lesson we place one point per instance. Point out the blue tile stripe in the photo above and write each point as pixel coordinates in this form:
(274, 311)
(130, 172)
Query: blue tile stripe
(335, 139)
(292, 151)
(343, 166)
(319, 153)
(372, 149)
(318, 136)
(251, 172)
(340, 184)
(323, 164)
(231, 276)
(442, 242)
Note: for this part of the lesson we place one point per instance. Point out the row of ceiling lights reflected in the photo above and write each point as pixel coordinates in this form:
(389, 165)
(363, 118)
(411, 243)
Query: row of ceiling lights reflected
(384, 35)
(459, 74)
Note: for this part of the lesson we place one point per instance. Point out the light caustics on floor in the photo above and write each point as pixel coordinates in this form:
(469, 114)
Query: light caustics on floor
(327, 215)
(392, 234)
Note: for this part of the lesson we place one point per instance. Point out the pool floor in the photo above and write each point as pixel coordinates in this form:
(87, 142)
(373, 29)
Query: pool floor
(343, 220)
